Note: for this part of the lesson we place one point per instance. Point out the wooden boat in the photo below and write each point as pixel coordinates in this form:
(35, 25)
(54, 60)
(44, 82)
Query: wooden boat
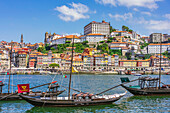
(81, 99)
(147, 86)
(14, 96)
(137, 74)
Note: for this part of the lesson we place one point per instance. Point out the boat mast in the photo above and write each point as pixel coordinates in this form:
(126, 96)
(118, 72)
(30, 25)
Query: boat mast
(10, 68)
(71, 69)
(160, 64)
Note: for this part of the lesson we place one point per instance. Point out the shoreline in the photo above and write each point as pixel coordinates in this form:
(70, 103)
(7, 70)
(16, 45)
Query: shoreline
(90, 73)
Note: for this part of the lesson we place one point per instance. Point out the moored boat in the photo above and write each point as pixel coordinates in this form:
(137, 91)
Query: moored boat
(147, 86)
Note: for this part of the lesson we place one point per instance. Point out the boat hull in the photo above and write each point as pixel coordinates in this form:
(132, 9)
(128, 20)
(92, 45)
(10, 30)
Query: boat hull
(67, 103)
(148, 92)
(15, 96)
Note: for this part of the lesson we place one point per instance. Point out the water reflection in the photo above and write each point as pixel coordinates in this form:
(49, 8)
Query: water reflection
(89, 109)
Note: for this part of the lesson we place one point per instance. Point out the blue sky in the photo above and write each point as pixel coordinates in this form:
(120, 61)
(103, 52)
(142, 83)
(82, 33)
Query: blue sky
(35, 17)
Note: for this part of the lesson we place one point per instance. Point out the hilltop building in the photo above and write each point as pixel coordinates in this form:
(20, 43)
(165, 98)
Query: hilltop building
(97, 27)
(155, 37)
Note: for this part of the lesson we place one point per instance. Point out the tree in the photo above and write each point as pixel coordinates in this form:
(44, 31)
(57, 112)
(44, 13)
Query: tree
(52, 48)
(130, 30)
(68, 42)
(117, 51)
(112, 29)
(40, 49)
(101, 42)
(47, 47)
(85, 42)
(109, 41)
(111, 38)
(53, 65)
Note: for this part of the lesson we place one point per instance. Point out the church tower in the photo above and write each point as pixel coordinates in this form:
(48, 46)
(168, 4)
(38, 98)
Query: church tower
(21, 38)
(46, 36)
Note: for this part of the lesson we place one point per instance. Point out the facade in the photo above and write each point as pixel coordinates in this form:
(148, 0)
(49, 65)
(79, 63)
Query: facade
(155, 37)
(88, 62)
(62, 40)
(155, 61)
(155, 48)
(43, 61)
(134, 63)
(97, 27)
(94, 38)
(22, 60)
(121, 33)
(4, 60)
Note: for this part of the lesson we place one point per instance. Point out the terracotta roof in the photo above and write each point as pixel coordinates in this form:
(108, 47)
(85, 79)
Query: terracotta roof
(161, 44)
(119, 42)
(119, 31)
(32, 60)
(94, 34)
(77, 59)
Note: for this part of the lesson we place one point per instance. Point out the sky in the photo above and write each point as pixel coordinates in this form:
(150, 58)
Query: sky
(33, 18)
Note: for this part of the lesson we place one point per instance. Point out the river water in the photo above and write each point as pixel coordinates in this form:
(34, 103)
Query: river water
(87, 83)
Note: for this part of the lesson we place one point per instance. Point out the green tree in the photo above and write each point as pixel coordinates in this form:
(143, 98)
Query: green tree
(130, 30)
(111, 38)
(40, 49)
(117, 51)
(68, 42)
(85, 42)
(52, 48)
(53, 65)
(109, 41)
(101, 42)
(47, 47)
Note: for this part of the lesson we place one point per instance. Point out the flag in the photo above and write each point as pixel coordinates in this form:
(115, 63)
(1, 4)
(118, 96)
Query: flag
(23, 88)
(125, 79)
(53, 82)
(64, 76)
(74, 70)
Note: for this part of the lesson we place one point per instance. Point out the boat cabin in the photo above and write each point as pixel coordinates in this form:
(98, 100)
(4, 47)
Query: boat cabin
(53, 88)
(147, 82)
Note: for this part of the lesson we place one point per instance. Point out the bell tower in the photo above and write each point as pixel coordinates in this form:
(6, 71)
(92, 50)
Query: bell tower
(21, 38)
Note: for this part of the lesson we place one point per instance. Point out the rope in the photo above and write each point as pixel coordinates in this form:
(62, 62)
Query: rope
(47, 90)
(12, 83)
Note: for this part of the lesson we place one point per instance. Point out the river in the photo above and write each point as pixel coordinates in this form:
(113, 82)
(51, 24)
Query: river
(87, 83)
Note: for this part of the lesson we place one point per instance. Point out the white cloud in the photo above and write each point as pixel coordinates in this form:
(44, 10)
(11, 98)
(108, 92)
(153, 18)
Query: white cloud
(124, 17)
(155, 25)
(159, 25)
(135, 9)
(112, 2)
(146, 13)
(167, 16)
(151, 4)
(75, 12)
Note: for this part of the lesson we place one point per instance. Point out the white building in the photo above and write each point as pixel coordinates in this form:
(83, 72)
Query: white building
(155, 48)
(62, 40)
(155, 37)
(97, 27)
(122, 44)
(94, 38)
(121, 33)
